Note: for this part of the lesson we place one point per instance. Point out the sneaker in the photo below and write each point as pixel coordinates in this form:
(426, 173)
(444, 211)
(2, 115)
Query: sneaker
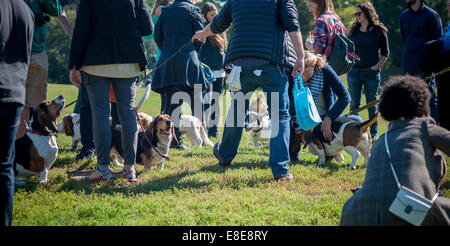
(286, 177)
(216, 154)
(98, 175)
(181, 146)
(129, 175)
(85, 154)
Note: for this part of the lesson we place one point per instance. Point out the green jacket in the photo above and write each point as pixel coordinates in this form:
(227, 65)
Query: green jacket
(52, 8)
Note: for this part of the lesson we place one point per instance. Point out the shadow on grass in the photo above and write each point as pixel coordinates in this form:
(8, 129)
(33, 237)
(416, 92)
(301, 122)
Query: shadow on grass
(170, 182)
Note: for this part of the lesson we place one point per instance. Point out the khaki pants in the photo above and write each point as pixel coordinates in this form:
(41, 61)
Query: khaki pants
(36, 84)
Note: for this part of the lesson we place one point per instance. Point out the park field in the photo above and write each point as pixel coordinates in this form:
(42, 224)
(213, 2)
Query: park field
(192, 190)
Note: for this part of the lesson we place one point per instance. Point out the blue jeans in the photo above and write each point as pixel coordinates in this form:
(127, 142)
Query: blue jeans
(370, 80)
(9, 123)
(272, 79)
(125, 92)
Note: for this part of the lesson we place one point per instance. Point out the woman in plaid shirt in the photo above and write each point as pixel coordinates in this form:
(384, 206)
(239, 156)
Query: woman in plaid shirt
(327, 24)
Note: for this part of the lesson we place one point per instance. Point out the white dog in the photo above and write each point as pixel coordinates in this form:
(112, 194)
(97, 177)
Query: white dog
(194, 130)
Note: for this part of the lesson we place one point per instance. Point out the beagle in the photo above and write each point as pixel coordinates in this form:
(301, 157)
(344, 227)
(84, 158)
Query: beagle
(37, 150)
(153, 143)
(145, 119)
(349, 135)
(70, 125)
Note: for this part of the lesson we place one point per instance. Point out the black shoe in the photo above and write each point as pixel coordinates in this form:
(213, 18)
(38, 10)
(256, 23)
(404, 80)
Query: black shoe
(181, 146)
(85, 154)
(286, 177)
(216, 154)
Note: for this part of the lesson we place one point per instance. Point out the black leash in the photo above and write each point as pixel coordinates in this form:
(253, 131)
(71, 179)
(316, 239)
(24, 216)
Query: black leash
(168, 59)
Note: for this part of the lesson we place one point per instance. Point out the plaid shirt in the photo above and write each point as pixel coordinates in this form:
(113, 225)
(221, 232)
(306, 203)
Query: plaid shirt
(324, 34)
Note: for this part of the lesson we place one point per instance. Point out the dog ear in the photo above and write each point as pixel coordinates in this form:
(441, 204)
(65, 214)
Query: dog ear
(68, 126)
(48, 123)
(306, 138)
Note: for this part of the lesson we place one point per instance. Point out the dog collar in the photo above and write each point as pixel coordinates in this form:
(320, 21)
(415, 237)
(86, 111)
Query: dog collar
(42, 133)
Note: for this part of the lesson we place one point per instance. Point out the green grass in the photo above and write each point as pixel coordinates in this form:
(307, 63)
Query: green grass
(191, 190)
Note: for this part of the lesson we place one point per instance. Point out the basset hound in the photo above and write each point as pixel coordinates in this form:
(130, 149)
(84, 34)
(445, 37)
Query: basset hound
(37, 150)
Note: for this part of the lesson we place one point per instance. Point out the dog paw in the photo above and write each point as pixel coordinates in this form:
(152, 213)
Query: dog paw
(43, 181)
(352, 168)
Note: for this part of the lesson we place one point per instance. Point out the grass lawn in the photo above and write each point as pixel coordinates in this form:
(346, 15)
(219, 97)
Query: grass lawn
(192, 190)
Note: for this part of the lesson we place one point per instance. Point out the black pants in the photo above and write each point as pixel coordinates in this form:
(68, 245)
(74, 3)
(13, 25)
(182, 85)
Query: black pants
(9, 123)
(183, 94)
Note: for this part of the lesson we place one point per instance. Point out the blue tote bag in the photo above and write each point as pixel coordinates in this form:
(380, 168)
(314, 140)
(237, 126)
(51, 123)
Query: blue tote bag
(305, 108)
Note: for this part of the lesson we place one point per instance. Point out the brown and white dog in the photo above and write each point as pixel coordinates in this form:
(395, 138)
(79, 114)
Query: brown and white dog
(257, 121)
(153, 143)
(349, 135)
(194, 130)
(37, 150)
(70, 125)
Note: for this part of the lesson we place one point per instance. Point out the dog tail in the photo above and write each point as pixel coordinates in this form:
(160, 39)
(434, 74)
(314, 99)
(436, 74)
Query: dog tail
(205, 136)
(366, 124)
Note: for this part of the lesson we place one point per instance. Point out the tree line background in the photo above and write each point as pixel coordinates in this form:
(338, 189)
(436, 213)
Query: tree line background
(58, 43)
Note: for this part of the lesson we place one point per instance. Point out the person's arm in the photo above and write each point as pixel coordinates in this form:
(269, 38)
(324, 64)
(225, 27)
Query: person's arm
(65, 24)
(435, 27)
(439, 137)
(79, 41)
(289, 22)
(320, 37)
(143, 18)
(384, 52)
(335, 83)
(296, 38)
(197, 25)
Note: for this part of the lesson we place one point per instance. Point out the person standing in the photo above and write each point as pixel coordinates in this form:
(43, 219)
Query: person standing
(212, 53)
(176, 25)
(371, 45)
(418, 25)
(36, 85)
(16, 35)
(326, 26)
(259, 47)
(109, 51)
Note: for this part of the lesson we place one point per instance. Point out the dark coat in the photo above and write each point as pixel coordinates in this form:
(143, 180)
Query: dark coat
(176, 25)
(16, 34)
(258, 28)
(415, 147)
(110, 32)
(211, 55)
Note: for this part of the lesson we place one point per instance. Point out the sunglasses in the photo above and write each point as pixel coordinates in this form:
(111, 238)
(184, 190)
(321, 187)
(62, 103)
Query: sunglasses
(358, 13)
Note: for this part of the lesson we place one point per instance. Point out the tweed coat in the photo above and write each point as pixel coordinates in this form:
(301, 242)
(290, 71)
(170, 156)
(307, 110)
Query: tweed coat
(416, 147)
(176, 25)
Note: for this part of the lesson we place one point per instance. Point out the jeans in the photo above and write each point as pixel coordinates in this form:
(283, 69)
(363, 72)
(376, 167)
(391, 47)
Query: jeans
(217, 87)
(370, 80)
(83, 106)
(271, 79)
(9, 123)
(125, 92)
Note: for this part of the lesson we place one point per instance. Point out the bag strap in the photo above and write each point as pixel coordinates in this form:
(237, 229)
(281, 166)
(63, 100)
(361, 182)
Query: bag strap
(390, 162)
(393, 170)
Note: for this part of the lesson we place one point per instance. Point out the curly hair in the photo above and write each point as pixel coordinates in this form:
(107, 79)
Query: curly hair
(404, 97)
(372, 16)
